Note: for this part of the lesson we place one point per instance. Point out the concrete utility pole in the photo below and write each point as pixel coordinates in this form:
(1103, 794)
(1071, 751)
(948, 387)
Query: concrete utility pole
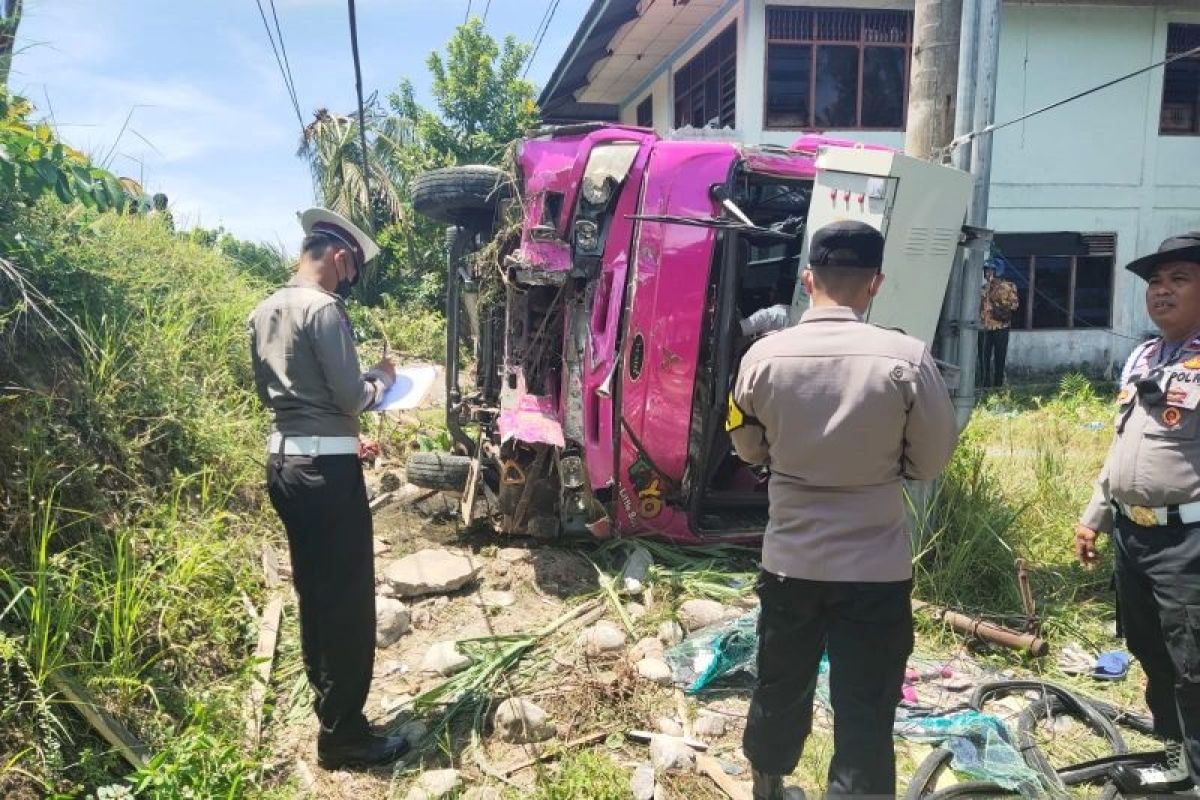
(932, 90)
(979, 61)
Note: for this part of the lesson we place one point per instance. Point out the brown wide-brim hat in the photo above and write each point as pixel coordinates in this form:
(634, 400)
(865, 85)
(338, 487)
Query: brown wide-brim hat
(1184, 247)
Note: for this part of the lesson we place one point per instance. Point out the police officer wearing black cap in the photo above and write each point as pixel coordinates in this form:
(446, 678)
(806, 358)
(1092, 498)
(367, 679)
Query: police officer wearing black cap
(1148, 498)
(842, 412)
(307, 373)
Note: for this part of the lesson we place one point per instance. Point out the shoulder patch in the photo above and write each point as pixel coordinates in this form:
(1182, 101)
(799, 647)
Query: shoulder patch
(736, 418)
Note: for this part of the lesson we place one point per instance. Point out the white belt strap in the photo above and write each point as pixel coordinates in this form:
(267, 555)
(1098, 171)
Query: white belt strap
(1150, 516)
(312, 445)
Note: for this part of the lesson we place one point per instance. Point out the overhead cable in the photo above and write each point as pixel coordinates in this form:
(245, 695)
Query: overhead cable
(538, 44)
(279, 60)
(286, 64)
(958, 141)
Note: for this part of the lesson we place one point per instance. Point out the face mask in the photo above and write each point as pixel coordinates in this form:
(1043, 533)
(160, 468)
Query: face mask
(344, 285)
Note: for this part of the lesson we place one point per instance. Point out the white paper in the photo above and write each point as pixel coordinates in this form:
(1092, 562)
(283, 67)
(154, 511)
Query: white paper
(410, 390)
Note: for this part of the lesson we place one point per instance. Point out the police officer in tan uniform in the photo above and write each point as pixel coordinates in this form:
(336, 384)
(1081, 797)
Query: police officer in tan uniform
(842, 412)
(1148, 498)
(307, 373)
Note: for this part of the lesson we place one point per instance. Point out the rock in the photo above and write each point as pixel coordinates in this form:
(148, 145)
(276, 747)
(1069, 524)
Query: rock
(637, 570)
(710, 725)
(646, 648)
(389, 482)
(642, 782)
(603, 638)
(655, 670)
(636, 611)
(697, 614)
(497, 599)
(392, 621)
(514, 555)
(435, 784)
(670, 633)
(413, 732)
(444, 659)
(660, 793)
(519, 721)
(671, 753)
(430, 572)
(668, 726)
(380, 546)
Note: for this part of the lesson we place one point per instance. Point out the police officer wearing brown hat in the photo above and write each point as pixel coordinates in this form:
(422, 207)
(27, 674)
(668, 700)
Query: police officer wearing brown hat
(307, 373)
(842, 411)
(1148, 498)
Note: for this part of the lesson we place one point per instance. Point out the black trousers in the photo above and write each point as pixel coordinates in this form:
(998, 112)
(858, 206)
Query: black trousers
(322, 502)
(868, 630)
(993, 352)
(1158, 594)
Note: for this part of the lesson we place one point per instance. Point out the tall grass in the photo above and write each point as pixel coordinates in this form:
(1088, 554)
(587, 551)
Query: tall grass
(1020, 478)
(132, 463)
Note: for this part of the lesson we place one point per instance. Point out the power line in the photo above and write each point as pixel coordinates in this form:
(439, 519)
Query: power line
(538, 44)
(486, 9)
(278, 60)
(968, 137)
(362, 117)
(541, 23)
(286, 64)
(467, 17)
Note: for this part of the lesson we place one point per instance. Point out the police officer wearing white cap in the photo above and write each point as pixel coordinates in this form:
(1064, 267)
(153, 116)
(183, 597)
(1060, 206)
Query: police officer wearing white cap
(1148, 498)
(307, 373)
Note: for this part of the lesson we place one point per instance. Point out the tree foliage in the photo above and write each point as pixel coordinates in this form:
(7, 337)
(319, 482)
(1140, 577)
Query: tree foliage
(33, 163)
(482, 106)
(483, 103)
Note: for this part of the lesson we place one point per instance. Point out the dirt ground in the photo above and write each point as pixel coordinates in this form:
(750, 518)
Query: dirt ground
(593, 702)
(594, 698)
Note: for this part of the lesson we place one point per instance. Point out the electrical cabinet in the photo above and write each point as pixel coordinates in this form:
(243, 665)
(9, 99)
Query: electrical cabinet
(919, 207)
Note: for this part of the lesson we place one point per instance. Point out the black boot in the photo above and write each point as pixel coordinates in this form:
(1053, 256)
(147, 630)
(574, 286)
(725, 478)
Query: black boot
(365, 752)
(767, 787)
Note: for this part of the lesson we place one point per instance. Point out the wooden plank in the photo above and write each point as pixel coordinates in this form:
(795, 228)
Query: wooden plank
(104, 723)
(270, 564)
(382, 501)
(264, 657)
(736, 790)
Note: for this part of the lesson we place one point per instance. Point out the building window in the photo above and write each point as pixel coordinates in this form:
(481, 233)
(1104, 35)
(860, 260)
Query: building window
(837, 68)
(706, 87)
(1064, 280)
(1181, 83)
(645, 112)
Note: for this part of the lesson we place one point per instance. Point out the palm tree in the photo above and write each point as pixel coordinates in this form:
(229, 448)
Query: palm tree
(367, 191)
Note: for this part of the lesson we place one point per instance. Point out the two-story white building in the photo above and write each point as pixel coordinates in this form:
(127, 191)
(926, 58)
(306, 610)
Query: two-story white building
(1076, 192)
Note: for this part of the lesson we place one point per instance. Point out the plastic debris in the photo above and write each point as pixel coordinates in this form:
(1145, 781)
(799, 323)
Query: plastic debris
(716, 652)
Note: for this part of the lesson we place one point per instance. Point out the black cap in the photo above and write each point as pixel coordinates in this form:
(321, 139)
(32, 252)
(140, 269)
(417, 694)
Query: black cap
(846, 244)
(1184, 247)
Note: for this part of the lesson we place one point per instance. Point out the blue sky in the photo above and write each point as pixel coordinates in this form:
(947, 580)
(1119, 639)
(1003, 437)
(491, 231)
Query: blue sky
(212, 125)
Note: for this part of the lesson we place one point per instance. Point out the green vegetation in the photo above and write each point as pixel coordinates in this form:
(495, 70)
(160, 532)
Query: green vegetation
(586, 774)
(1020, 478)
(482, 106)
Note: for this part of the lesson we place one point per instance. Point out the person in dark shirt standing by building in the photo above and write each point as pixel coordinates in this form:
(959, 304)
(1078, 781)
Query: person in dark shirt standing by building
(307, 373)
(998, 303)
(842, 411)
